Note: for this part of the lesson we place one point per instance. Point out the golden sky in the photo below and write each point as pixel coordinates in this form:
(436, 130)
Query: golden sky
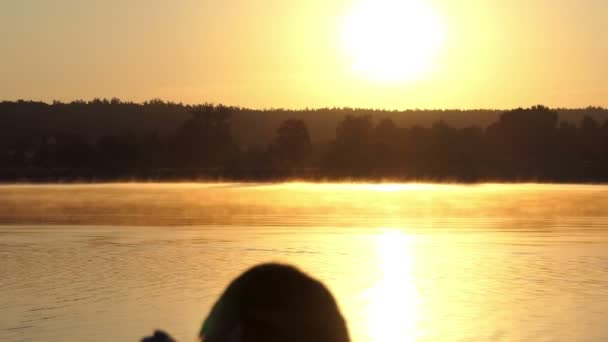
(306, 53)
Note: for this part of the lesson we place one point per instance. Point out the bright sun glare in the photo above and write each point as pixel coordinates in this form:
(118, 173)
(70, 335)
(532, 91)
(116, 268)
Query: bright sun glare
(392, 40)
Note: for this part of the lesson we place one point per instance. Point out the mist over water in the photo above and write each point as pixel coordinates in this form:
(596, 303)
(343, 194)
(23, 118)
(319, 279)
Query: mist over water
(294, 204)
(407, 262)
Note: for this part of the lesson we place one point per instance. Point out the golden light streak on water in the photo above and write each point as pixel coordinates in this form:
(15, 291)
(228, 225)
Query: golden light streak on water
(393, 306)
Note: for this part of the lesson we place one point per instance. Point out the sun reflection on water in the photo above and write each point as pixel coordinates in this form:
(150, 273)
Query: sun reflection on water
(394, 300)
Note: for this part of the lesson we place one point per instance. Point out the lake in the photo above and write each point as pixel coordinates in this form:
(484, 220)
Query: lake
(406, 262)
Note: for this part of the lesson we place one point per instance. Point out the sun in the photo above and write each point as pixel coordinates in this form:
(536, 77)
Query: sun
(392, 40)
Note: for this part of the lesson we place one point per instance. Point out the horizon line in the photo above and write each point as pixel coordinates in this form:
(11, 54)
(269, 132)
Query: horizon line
(304, 109)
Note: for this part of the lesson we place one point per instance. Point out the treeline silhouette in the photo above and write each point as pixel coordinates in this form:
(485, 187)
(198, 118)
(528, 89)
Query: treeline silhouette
(157, 140)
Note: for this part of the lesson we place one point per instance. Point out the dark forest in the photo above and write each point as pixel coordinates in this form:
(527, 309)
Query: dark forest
(110, 140)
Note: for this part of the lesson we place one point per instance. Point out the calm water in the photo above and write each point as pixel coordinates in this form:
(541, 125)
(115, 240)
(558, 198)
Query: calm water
(406, 262)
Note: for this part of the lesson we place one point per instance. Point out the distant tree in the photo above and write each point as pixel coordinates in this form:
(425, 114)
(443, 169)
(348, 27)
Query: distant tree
(117, 152)
(524, 143)
(255, 162)
(351, 153)
(205, 140)
(292, 144)
(386, 149)
(153, 151)
(591, 147)
(386, 129)
(570, 159)
(72, 151)
(354, 130)
(473, 155)
(604, 148)
(65, 150)
(444, 151)
(415, 151)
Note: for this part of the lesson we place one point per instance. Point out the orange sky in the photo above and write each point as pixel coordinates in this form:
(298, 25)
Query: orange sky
(290, 53)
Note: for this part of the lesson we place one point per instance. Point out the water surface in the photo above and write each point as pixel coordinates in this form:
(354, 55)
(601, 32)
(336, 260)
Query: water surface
(409, 262)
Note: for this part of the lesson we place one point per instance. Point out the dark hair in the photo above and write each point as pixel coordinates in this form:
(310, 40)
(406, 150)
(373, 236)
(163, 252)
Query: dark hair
(274, 302)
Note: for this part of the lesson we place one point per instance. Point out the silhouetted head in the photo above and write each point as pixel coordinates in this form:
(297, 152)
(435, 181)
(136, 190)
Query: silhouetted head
(275, 302)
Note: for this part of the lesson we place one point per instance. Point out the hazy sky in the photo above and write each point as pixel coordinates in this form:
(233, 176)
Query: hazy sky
(291, 53)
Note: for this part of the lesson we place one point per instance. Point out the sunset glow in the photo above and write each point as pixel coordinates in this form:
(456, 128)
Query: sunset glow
(394, 54)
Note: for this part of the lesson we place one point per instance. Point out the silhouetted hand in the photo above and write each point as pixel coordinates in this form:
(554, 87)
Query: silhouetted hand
(159, 336)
